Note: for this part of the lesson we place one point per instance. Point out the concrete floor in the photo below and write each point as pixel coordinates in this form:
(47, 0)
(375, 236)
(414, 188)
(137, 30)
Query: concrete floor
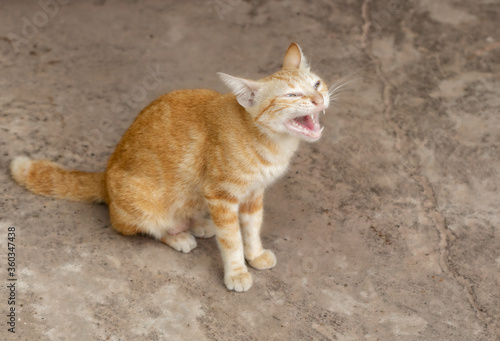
(388, 228)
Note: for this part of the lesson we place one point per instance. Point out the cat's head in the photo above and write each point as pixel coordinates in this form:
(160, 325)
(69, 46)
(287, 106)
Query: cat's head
(288, 102)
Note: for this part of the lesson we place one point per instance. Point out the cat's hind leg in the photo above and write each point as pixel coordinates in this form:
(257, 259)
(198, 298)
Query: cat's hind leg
(175, 233)
(172, 233)
(182, 241)
(202, 226)
(138, 205)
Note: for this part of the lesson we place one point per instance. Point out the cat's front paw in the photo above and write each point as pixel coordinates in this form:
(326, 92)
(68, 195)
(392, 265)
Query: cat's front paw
(240, 282)
(266, 260)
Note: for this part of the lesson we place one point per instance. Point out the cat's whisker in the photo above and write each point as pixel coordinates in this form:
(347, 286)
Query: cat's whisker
(344, 84)
(336, 83)
(341, 79)
(335, 91)
(338, 94)
(339, 90)
(337, 97)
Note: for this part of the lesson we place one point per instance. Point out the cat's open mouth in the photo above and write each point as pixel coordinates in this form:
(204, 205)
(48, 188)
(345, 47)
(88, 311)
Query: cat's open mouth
(307, 125)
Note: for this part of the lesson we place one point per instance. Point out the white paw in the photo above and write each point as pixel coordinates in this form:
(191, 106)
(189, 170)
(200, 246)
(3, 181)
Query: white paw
(239, 282)
(266, 260)
(183, 241)
(203, 229)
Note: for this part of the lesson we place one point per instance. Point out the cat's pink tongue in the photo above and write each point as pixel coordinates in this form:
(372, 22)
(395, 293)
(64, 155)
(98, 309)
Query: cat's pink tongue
(306, 121)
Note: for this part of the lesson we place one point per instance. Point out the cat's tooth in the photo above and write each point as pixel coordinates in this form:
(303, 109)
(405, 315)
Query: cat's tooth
(324, 112)
(321, 130)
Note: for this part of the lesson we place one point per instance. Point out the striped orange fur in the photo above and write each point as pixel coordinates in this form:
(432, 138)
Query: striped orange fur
(196, 163)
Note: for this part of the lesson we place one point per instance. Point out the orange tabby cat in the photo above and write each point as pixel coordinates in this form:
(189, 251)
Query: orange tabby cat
(196, 163)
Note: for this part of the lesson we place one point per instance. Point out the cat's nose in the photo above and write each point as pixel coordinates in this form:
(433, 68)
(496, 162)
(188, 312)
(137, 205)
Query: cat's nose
(317, 100)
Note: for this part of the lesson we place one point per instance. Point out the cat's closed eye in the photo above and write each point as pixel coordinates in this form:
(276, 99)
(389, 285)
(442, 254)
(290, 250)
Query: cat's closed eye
(293, 95)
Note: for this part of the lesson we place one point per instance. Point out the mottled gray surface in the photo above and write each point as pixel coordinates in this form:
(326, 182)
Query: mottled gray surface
(386, 229)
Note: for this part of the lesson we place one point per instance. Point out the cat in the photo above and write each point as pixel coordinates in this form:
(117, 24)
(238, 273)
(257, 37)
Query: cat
(195, 163)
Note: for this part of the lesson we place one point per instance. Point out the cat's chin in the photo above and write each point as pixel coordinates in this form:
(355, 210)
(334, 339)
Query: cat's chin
(306, 127)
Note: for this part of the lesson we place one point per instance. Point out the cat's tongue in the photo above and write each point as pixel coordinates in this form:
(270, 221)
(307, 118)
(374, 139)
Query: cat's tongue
(307, 121)
(307, 125)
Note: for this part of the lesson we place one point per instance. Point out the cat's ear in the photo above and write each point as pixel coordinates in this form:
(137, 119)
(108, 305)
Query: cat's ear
(294, 59)
(244, 89)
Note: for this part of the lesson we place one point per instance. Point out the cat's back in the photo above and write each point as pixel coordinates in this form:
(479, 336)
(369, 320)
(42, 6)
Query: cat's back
(170, 113)
(187, 99)
(177, 104)
(170, 126)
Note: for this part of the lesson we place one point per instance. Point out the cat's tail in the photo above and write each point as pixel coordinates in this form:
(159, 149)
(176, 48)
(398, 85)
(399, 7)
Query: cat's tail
(48, 178)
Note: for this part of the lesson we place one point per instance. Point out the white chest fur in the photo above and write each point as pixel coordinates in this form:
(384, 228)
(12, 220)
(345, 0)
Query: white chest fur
(278, 161)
